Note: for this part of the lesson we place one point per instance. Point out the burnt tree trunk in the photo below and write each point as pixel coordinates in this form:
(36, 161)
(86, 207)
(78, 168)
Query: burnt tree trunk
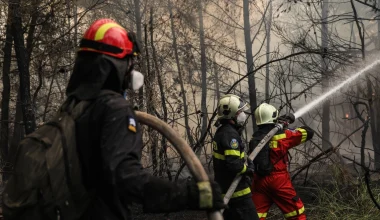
(153, 136)
(203, 68)
(374, 130)
(325, 80)
(22, 63)
(249, 57)
(268, 32)
(216, 75)
(183, 91)
(139, 37)
(163, 166)
(32, 28)
(18, 131)
(4, 137)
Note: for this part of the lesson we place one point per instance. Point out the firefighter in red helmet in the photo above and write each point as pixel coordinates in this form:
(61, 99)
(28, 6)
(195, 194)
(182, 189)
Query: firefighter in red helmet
(109, 138)
(271, 181)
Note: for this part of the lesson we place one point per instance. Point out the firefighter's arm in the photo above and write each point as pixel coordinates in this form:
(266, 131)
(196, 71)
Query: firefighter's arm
(298, 136)
(121, 146)
(232, 154)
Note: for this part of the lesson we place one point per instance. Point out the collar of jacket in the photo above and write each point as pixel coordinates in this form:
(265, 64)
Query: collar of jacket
(266, 127)
(228, 122)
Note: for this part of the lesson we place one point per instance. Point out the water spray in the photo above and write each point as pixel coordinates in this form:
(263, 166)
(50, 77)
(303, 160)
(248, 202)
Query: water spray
(323, 97)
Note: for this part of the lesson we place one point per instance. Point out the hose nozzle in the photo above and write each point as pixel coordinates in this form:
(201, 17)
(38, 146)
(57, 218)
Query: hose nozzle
(286, 119)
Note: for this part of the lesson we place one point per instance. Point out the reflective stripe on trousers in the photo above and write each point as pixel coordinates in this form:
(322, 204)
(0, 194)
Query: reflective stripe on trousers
(295, 212)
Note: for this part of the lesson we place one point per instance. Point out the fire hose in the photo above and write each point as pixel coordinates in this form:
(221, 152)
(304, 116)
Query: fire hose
(183, 149)
(279, 126)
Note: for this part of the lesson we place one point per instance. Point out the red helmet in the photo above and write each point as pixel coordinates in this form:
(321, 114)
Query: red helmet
(108, 37)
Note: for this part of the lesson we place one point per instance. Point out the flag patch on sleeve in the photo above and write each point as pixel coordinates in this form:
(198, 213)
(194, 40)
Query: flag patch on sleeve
(132, 125)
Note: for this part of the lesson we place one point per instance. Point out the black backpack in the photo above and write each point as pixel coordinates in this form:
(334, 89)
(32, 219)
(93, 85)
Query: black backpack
(262, 162)
(46, 182)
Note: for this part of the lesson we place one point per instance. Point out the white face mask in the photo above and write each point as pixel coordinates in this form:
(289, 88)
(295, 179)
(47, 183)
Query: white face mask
(137, 79)
(240, 119)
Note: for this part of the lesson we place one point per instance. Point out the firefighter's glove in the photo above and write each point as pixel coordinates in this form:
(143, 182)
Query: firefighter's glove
(205, 195)
(250, 168)
(288, 118)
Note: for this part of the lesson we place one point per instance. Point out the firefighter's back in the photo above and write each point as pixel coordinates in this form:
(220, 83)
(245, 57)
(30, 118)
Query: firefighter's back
(228, 155)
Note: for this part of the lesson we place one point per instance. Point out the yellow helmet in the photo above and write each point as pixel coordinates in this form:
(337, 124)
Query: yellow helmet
(266, 114)
(229, 105)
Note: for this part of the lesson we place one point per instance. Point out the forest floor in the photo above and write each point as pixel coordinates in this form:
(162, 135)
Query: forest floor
(307, 195)
(329, 202)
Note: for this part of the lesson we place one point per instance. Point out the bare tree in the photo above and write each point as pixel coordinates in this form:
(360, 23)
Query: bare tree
(203, 67)
(183, 91)
(4, 137)
(268, 32)
(22, 62)
(249, 57)
(325, 78)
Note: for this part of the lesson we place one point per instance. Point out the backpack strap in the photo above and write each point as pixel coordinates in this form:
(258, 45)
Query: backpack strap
(105, 92)
(79, 109)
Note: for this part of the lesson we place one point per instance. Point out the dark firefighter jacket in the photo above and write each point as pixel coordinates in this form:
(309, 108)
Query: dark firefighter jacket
(109, 145)
(228, 159)
(281, 143)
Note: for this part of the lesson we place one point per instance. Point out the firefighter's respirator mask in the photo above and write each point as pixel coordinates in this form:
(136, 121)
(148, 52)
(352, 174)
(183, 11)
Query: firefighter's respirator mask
(137, 80)
(241, 118)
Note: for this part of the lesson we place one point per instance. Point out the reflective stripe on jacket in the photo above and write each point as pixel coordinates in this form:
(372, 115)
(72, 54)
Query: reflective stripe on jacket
(228, 159)
(282, 142)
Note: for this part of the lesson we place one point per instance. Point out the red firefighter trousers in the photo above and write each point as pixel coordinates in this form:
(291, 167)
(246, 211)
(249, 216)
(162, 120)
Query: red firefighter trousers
(277, 188)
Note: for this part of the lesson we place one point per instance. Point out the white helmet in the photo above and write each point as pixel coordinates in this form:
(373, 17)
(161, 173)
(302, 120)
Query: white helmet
(229, 105)
(266, 114)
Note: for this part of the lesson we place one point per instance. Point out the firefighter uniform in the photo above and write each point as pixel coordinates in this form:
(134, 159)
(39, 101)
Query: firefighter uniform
(228, 159)
(277, 187)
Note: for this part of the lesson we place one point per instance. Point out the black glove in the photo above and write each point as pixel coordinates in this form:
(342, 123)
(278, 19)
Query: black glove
(205, 195)
(250, 168)
(288, 118)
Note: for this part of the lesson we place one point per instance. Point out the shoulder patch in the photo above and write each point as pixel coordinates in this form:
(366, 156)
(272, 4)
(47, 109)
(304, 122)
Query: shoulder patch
(234, 143)
(132, 125)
